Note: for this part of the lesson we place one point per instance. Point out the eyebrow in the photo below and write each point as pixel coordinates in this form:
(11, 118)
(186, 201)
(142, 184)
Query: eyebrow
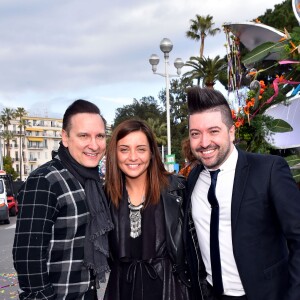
(88, 133)
(124, 145)
(209, 128)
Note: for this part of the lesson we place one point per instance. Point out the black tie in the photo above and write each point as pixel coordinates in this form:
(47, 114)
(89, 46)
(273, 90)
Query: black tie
(214, 235)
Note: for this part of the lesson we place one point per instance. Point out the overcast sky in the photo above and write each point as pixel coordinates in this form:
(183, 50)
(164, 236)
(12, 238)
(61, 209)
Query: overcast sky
(54, 52)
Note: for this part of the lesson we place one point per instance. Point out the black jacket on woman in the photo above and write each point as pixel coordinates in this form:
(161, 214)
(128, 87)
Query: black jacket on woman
(162, 246)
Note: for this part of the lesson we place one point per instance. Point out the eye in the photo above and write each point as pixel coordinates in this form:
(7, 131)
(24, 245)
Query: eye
(194, 134)
(142, 150)
(101, 136)
(83, 136)
(123, 150)
(214, 131)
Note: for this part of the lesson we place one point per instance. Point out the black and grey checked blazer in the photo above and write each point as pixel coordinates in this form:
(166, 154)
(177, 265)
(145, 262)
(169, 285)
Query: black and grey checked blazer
(50, 231)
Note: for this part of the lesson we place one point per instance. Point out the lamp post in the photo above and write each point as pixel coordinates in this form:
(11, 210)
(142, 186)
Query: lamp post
(166, 47)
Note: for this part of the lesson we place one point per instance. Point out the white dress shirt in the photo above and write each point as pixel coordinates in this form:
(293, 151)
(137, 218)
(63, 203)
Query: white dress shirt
(201, 211)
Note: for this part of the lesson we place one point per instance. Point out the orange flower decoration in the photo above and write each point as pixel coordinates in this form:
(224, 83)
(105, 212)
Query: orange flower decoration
(250, 102)
(239, 122)
(233, 114)
(281, 78)
(252, 73)
(262, 84)
(293, 46)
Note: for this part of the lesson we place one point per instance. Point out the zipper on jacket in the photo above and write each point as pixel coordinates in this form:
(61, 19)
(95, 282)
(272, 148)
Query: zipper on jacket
(196, 245)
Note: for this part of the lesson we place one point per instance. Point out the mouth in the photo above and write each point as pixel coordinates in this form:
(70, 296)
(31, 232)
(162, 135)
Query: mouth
(133, 166)
(208, 152)
(91, 154)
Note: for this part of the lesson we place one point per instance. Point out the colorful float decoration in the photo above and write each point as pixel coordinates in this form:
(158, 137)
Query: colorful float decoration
(254, 89)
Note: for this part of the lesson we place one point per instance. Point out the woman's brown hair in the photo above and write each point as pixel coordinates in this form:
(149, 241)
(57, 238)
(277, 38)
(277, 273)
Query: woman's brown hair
(157, 176)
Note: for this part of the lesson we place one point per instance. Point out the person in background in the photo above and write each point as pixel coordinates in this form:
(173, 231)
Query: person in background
(148, 260)
(101, 167)
(191, 160)
(61, 241)
(242, 222)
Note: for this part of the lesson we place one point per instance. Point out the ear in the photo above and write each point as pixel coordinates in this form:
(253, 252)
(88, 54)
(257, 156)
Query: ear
(232, 133)
(64, 138)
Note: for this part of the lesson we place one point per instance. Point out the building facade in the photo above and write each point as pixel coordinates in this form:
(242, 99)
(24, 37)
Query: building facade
(39, 137)
(36, 141)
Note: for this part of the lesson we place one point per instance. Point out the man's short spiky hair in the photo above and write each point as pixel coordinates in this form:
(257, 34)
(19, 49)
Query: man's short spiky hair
(204, 99)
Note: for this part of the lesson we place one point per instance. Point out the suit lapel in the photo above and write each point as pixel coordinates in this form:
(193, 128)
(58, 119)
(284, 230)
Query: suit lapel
(192, 179)
(239, 185)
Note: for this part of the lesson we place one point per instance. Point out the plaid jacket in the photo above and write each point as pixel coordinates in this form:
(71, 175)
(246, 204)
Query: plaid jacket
(49, 239)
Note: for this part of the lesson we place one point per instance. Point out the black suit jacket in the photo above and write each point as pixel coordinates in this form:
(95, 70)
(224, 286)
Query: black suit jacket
(265, 221)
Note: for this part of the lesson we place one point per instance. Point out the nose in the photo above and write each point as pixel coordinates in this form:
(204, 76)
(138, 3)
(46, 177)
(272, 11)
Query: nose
(93, 144)
(132, 155)
(205, 140)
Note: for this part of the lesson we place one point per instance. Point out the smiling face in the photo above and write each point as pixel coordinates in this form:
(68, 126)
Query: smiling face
(134, 154)
(211, 140)
(86, 139)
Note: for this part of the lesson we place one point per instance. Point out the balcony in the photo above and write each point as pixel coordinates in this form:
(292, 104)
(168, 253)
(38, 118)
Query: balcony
(32, 159)
(35, 146)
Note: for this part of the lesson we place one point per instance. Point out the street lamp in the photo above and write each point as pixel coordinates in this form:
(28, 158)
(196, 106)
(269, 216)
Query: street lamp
(166, 47)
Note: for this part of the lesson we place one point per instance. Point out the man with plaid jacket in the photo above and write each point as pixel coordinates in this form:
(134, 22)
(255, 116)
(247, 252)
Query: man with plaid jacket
(60, 248)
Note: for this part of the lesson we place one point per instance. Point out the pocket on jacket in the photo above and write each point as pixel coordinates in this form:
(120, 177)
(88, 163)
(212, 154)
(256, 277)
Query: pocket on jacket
(279, 267)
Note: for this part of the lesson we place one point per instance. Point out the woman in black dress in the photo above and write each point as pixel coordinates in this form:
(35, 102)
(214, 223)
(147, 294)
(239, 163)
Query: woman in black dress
(146, 204)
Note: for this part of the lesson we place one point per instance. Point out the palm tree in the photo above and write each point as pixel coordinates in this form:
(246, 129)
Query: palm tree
(7, 136)
(2, 121)
(20, 112)
(196, 72)
(159, 129)
(214, 70)
(207, 69)
(7, 115)
(200, 27)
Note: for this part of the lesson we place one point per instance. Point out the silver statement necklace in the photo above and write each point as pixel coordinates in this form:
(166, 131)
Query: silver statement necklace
(135, 218)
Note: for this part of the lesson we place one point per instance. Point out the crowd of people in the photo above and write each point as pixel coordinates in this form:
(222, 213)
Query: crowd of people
(228, 229)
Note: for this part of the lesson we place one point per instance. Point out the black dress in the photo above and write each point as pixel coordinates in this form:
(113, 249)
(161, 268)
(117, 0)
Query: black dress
(141, 267)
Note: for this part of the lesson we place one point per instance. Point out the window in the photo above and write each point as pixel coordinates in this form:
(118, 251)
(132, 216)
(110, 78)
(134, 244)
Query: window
(56, 145)
(1, 187)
